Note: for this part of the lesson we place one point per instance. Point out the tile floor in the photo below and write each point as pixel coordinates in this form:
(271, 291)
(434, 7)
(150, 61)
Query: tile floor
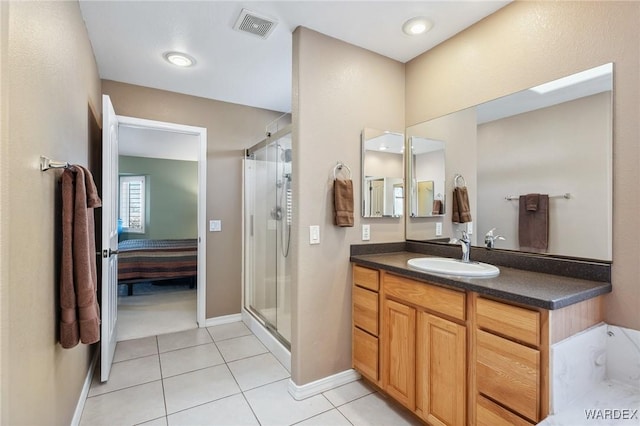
(220, 375)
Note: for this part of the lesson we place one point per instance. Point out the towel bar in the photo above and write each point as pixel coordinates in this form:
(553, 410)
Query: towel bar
(47, 163)
(566, 195)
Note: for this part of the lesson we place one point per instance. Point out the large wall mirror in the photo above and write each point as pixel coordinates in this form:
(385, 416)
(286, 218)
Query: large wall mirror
(427, 170)
(553, 139)
(382, 173)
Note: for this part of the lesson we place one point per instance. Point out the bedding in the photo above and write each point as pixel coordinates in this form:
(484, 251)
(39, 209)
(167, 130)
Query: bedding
(153, 260)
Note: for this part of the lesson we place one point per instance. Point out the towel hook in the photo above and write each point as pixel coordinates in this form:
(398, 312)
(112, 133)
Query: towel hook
(339, 168)
(455, 181)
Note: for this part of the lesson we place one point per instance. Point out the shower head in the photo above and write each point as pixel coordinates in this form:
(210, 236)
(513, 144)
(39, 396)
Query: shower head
(286, 155)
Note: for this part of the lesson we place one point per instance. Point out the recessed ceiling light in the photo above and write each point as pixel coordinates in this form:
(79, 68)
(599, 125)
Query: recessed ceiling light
(417, 25)
(179, 59)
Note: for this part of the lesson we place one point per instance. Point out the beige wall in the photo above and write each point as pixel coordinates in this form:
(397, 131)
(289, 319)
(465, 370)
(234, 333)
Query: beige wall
(49, 83)
(338, 90)
(528, 43)
(230, 129)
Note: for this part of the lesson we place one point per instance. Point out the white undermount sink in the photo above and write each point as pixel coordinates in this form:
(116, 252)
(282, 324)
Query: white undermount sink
(447, 266)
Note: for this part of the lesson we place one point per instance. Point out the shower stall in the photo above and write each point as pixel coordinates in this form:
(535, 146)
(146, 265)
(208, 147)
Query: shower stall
(267, 234)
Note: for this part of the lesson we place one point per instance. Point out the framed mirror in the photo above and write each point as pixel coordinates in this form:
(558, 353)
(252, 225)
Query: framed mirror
(553, 139)
(427, 177)
(382, 173)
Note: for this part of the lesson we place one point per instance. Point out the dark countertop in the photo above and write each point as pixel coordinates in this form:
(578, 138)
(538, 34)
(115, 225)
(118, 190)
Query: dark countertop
(516, 285)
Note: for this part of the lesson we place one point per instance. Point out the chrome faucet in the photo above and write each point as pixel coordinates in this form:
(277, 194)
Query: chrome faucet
(490, 239)
(465, 242)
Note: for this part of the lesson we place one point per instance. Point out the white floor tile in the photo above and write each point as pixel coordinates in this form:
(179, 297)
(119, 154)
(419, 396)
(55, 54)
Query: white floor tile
(189, 359)
(230, 411)
(125, 407)
(374, 410)
(183, 339)
(125, 374)
(257, 371)
(153, 314)
(328, 418)
(349, 392)
(136, 348)
(198, 387)
(273, 405)
(240, 347)
(162, 421)
(229, 331)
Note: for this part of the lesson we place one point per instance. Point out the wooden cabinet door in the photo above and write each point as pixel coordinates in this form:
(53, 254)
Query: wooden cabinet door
(441, 370)
(399, 352)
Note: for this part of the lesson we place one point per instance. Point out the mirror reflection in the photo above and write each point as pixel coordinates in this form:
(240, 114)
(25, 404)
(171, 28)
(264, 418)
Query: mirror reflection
(427, 171)
(382, 173)
(551, 140)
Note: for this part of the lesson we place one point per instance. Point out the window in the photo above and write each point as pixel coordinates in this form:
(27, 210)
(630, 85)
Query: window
(132, 203)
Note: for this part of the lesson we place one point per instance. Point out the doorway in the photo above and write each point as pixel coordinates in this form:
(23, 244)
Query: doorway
(170, 161)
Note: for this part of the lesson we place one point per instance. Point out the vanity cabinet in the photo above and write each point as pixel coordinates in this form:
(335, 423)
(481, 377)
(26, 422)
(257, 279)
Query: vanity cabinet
(365, 342)
(424, 348)
(455, 356)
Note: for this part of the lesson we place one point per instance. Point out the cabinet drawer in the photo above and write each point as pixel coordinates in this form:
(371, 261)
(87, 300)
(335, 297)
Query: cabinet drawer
(509, 321)
(508, 373)
(365, 277)
(365, 309)
(437, 299)
(488, 413)
(365, 354)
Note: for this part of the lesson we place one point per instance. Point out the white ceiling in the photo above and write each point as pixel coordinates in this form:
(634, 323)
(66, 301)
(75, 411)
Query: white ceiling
(129, 38)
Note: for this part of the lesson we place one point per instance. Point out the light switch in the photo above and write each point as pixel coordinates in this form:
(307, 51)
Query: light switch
(438, 229)
(314, 234)
(215, 225)
(469, 228)
(366, 232)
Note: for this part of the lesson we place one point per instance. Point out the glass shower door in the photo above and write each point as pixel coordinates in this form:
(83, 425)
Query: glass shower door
(267, 195)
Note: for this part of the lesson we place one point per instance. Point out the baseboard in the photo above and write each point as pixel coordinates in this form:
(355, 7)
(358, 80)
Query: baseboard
(278, 350)
(322, 385)
(77, 414)
(226, 319)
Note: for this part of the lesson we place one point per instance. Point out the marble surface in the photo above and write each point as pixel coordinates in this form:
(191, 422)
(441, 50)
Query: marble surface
(596, 378)
(608, 403)
(623, 355)
(530, 288)
(578, 364)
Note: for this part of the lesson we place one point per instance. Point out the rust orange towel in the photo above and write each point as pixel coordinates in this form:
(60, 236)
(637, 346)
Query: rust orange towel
(343, 202)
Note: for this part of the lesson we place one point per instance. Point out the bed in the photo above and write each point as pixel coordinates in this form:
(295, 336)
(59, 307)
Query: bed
(157, 260)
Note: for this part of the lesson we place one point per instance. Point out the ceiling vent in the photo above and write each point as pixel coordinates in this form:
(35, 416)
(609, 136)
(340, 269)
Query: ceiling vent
(254, 23)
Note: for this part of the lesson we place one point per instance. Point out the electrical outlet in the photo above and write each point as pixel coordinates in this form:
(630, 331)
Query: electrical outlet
(469, 228)
(366, 232)
(314, 234)
(438, 229)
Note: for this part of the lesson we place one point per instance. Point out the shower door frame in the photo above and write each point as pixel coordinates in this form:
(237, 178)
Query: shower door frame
(271, 328)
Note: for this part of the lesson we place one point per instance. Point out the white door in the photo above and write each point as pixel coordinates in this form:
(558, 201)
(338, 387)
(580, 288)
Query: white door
(109, 308)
